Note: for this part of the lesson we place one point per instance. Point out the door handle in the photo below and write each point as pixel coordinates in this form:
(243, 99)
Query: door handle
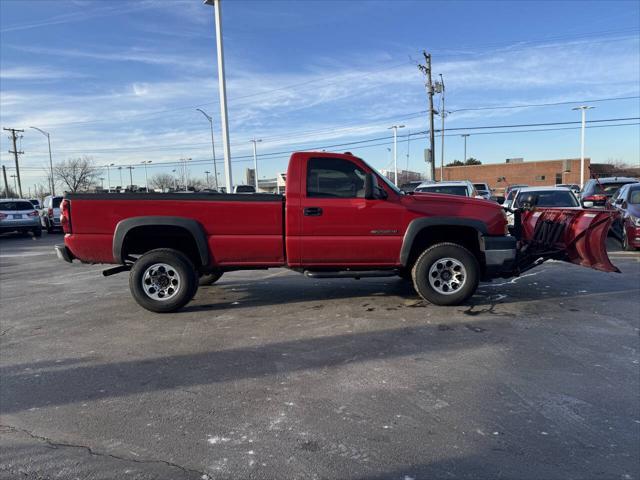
(312, 211)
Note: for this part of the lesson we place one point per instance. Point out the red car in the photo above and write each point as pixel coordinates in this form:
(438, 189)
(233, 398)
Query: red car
(340, 218)
(627, 226)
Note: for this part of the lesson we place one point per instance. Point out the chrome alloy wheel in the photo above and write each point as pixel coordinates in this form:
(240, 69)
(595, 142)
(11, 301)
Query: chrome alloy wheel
(447, 276)
(161, 282)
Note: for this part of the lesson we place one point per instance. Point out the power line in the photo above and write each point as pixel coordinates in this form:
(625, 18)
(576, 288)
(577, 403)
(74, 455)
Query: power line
(542, 124)
(549, 104)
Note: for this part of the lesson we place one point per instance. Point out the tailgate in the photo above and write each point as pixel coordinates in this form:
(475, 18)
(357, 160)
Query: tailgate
(571, 234)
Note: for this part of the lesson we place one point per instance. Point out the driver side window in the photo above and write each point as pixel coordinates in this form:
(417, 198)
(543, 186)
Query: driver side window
(334, 178)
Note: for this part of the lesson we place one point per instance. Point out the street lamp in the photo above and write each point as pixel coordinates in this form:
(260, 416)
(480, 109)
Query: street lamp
(109, 176)
(101, 183)
(255, 161)
(395, 151)
(213, 148)
(120, 169)
(222, 92)
(584, 109)
(175, 180)
(207, 172)
(146, 179)
(465, 135)
(185, 173)
(46, 134)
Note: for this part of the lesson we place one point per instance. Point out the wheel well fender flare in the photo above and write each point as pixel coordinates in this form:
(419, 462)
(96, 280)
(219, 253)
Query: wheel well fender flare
(195, 229)
(419, 224)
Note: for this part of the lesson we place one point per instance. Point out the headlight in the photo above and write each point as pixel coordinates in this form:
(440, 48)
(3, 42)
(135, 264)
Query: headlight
(635, 220)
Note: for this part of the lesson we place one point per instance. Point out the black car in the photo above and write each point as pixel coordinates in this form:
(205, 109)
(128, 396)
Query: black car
(597, 192)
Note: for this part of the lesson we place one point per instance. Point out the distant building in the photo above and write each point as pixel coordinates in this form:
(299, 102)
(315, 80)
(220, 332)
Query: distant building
(404, 176)
(517, 170)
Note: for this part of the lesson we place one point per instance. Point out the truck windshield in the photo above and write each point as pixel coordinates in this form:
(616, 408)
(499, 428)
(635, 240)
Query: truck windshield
(388, 182)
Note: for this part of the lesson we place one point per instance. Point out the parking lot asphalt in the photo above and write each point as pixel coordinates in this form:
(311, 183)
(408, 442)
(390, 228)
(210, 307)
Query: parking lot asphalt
(270, 375)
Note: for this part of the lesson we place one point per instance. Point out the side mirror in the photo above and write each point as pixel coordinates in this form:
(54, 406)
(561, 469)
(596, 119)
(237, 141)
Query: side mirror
(369, 186)
(619, 201)
(587, 204)
(371, 189)
(624, 205)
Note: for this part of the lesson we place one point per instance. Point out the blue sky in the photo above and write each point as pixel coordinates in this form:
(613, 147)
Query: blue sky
(120, 80)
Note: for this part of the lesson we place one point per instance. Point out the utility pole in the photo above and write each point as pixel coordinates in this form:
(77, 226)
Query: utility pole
(109, 177)
(426, 70)
(222, 92)
(130, 167)
(46, 134)
(15, 154)
(6, 184)
(443, 113)
(395, 151)
(213, 148)
(465, 135)
(146, 179)
(255, 162)
(584, 109)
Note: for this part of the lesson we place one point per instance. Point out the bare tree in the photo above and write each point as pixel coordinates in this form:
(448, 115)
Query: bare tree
(11, 193)
(162, 181)
(618, 163)
(76, 174)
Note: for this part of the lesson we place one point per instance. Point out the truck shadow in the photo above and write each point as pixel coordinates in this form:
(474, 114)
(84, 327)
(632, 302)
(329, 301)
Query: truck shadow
(36, 385)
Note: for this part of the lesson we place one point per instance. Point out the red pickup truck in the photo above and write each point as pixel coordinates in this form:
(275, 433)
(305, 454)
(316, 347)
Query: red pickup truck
(339, 218)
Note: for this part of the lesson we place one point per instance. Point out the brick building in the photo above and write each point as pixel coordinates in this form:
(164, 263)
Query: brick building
(536, 173)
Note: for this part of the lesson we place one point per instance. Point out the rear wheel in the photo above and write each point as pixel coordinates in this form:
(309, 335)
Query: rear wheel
(446, 274)
(209, 278)
(163, 280)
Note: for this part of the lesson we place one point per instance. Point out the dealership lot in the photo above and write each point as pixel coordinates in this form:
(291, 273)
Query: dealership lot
(271, 375)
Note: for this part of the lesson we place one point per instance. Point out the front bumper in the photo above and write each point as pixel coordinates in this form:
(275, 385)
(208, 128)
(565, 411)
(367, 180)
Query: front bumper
(499, 254)
(64, 253)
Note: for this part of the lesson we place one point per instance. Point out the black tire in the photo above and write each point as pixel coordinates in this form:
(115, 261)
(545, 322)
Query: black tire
(37, 232)
(178, 263)
(457, 278)
(625, 241)
(209, 278)
(49, 227)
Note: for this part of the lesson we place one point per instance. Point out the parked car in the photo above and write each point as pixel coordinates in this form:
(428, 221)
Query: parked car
(411, 186)
(483, 190)
(511, 188)
(463, 188)
(244, 189)
(50, 217)
(627, 226)
(597, 192)
(575, 188)
(19, 215)
(540, 197)
(340, 219)
(35, 202)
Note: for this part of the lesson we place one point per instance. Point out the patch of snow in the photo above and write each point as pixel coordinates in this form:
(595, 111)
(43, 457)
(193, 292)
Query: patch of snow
(216, 439)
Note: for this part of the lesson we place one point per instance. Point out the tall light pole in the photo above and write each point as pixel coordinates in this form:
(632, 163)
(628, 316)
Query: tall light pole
(443, 113)
(207, 172)
(120, 169)
(395, 151)
(465, 135)
(222, 92)
(131, 167)
(46, 134)
(146, 179)
(175, 180)
(185, 173)
(213, 148)
(584, 109)
(255, 161)
(101, 183)
(109, 176)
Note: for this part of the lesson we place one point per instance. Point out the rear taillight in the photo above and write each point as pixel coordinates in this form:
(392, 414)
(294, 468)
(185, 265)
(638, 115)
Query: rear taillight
(2, 216)
(33, 214)
(65, 216)
(50, 212)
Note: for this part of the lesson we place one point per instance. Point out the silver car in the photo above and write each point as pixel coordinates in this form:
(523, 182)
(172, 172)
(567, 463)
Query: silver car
(17, 215)
(51, 212)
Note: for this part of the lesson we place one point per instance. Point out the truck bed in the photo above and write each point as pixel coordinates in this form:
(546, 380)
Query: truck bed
(234, 223)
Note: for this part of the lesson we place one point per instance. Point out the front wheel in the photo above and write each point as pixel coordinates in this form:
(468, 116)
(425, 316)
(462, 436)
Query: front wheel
(163, 280)
(446, 274)
(625, 241)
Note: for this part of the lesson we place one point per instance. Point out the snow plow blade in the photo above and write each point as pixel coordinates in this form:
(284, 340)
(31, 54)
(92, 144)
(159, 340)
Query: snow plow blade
(573, 235)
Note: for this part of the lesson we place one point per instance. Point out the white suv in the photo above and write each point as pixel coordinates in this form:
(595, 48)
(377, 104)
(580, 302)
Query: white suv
(51, 213)
(459, 187)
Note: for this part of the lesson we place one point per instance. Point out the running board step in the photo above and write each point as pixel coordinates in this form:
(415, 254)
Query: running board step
(350, 273)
